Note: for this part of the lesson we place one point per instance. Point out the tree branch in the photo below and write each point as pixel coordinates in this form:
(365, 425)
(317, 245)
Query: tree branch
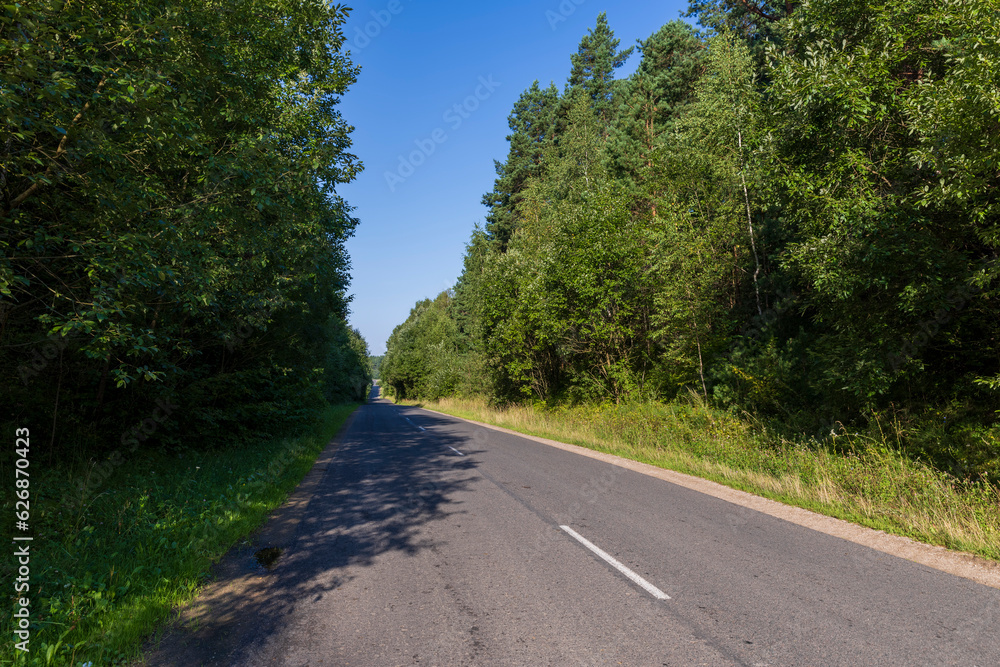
(60, 151)
(754, 9)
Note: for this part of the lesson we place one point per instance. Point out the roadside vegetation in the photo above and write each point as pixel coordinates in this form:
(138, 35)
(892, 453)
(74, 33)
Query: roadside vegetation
(173, 295)
(791, 215)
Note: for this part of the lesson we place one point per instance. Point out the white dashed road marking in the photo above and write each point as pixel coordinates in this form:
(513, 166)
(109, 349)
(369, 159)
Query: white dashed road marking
(648, 587)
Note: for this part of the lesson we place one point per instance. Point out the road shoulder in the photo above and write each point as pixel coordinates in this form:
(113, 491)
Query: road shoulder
(960, 564)
(213, 619)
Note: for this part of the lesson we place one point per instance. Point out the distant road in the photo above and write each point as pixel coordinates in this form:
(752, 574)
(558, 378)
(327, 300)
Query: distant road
(432, 541)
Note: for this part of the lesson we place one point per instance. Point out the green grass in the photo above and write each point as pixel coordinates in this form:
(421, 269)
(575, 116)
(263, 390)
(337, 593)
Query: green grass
(860, 478)
(109, 565)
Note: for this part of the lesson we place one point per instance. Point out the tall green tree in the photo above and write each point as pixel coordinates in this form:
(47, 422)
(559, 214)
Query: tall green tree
(425, 356)
(651, 100)
(593, 68)
(756, 22)
(532, 123)
(580, 163)
(708, 256)
(883, 249)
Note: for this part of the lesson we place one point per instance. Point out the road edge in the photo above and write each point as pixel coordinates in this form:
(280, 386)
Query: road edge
(957, 563)
(233, 573)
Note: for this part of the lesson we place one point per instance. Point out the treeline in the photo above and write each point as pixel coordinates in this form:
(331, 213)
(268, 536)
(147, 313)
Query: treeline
(793, 212)
(172, 261)
(376, 364)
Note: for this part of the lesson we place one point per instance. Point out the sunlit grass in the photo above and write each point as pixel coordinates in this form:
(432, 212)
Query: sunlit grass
(855, 477)
(110, 565)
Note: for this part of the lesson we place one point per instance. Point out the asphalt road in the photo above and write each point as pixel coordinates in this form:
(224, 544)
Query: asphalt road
(432, 541)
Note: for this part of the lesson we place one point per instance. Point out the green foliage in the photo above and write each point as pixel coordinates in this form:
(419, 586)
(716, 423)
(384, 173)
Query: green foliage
(376, 364)
(170, 215)
(954, 112)
(348, 371)
(593, 68)
(793, 216)
(707, 251)
(533, 125)
(425, 354)
(564, 307)
(650, 102)
(756, 22)
(885, 247)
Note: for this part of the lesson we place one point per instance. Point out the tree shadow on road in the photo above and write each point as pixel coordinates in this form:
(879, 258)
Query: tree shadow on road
(386, 481)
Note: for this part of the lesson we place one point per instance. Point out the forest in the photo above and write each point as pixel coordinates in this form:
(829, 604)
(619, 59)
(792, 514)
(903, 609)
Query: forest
(789, 211)
(171, 231)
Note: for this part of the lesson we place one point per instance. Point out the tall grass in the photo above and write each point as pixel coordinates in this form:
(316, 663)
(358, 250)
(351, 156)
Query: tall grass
(111, 560)
(861, 478)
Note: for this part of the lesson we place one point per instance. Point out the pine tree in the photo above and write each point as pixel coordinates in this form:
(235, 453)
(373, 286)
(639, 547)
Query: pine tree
(532, 124)
(594, 65)
(755, 22)
(651, 100)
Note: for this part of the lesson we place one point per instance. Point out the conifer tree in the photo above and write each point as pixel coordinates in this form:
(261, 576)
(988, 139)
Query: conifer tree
(755, 22)
(651, 99)
(532, 124)
(594, 65)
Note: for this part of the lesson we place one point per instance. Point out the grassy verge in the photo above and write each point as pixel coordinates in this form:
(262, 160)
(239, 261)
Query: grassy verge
(855, 477)
(111, 560)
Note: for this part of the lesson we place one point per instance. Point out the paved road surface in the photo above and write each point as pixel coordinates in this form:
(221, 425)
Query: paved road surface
(431, 541)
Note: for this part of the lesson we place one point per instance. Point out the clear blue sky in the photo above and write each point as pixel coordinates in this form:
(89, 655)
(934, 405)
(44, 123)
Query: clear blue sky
(422, 60)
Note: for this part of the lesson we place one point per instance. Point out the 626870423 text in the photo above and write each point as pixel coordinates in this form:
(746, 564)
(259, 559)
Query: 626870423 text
(22, 516)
